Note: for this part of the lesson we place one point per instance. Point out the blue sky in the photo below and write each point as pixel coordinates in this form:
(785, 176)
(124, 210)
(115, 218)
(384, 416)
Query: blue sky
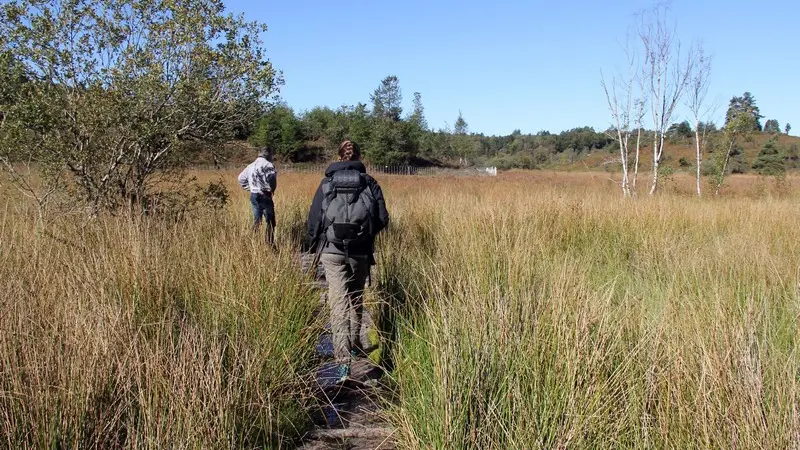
(531, 65)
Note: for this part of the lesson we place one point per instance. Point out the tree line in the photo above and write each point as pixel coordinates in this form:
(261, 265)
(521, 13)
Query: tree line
(106, 101)
(388, 136)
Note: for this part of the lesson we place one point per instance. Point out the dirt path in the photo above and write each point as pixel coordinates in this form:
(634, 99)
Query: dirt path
(349, 415)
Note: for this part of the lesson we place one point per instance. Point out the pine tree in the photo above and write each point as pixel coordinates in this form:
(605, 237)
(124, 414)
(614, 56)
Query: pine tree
(772, 126)
(389, 143)
(745, 104)
(417, 116)
(461, 126)
(386, 99)
(770, 161)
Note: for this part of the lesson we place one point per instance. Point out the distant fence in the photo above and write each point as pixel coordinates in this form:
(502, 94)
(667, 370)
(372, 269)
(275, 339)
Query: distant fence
(394, 170)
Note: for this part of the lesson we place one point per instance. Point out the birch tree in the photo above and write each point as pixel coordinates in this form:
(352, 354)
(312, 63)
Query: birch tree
(620, 97)
(738, 126)
(696, 96)
(666, 76)
(641, 105)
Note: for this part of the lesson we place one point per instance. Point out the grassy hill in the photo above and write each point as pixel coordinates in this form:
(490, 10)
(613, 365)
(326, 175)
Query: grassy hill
(679, 155)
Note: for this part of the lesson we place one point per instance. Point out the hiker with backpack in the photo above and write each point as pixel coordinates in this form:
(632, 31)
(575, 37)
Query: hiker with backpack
(347, 212)
(260, 179)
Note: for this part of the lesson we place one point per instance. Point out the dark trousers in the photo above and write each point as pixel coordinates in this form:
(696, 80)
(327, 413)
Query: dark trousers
(264, 208)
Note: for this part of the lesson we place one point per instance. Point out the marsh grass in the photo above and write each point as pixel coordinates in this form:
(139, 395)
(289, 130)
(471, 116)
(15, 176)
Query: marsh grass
(531, 310)
(123, 332)
(571, 318)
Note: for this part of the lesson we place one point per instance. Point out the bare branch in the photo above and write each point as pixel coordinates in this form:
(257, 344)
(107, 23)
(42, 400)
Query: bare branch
(666, 73)
(697, 91)
(620, 98)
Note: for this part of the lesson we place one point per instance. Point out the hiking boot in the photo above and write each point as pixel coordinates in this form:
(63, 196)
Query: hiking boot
(342, 373)
(371, 382)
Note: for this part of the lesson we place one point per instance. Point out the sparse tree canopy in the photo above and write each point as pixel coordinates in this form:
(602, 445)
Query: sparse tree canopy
(680, 130)
(387, 98)
(418, 114)
(772, 126)
(460, 126)
(787, 128)
(746, 104)
(738, 127)
(120, 90)
(696, 99)
(666, 74)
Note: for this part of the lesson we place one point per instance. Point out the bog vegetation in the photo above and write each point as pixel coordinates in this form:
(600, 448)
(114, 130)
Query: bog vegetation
(528, 310)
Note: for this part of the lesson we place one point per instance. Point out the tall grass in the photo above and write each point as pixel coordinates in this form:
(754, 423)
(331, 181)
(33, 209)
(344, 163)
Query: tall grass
(566, 317)
(531, 310)
(123, 333)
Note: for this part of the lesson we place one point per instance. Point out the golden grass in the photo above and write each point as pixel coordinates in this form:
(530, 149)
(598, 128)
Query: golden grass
(148, 334)
(553, 314)
(530, 310)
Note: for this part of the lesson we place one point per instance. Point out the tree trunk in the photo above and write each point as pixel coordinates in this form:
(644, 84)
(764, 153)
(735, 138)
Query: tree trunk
(699, 153)
(623, 156)
(636, 162)
(721, 178)
(656, 158)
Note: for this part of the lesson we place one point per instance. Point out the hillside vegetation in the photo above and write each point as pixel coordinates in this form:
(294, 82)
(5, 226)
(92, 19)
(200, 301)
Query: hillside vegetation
(679, 156)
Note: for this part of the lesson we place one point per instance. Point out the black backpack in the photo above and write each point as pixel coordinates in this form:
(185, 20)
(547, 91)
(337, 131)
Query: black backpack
(349, 209)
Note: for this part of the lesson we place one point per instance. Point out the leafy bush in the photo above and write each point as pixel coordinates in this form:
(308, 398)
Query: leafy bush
(105, 95)
(514, 161)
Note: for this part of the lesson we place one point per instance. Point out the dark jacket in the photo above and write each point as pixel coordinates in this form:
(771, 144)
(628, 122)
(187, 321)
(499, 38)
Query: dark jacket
(314, 225)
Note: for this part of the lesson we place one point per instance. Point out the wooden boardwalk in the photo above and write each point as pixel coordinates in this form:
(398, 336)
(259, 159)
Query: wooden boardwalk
(348, 415)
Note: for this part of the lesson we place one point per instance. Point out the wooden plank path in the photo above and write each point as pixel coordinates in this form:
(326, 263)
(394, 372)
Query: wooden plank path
(348, 415)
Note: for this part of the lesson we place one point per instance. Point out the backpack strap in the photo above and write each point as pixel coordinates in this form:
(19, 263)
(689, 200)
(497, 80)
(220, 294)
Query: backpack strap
(369, 204)
(328, 193)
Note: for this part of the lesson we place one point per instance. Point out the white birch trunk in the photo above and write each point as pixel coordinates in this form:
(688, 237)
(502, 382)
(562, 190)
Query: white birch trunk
(623, 156)
(636, 162)
(699, 153)
(656, 160)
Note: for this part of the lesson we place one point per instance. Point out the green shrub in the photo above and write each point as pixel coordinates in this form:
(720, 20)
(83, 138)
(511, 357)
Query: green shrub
(770, 160)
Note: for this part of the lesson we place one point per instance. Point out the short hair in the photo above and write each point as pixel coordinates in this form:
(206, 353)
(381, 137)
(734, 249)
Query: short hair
(265, 152)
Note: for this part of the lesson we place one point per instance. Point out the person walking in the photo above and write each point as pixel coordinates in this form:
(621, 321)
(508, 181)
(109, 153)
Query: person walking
(261, 179)
(347, 212)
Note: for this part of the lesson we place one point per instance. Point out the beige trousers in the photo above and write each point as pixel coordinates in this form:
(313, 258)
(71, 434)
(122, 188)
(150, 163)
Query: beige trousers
(346, 278)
